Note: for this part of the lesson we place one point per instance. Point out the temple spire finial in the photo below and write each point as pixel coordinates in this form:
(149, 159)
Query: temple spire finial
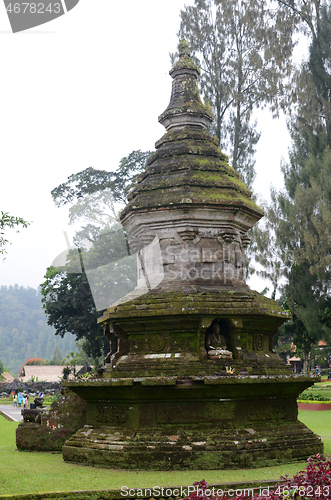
(185, 107)
(184, 49)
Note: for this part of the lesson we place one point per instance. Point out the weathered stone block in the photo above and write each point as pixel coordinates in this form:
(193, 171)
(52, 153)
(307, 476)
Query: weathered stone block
(56, 425)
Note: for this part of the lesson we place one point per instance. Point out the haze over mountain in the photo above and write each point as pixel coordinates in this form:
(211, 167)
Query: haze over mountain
(24, 332)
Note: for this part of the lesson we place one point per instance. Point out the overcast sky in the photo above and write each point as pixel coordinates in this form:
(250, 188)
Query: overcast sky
(85, 90)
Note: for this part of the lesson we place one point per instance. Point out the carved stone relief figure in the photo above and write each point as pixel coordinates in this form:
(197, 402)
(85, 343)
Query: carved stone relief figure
(113, 342)
(217, 340)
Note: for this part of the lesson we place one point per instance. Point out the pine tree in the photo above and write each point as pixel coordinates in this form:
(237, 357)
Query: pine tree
(300, 216)
(244, 51)
(57, 357)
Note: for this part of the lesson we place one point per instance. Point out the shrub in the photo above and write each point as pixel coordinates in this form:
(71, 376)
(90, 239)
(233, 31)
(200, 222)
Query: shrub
(313, 397)
(66, 372)
(314, 482)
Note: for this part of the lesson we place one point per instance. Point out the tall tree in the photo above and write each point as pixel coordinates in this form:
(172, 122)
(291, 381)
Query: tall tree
(300, 216)
(90, 181)
(57, 356)
(302, 213)
(101, 272)
(69, 306)
(244, 50)
(307, 14)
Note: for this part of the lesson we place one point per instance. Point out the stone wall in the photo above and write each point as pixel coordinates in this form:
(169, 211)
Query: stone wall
(57, 424)
(34, 386)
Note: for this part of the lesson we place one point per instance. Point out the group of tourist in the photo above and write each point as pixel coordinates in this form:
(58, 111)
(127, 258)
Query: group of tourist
(21, 400)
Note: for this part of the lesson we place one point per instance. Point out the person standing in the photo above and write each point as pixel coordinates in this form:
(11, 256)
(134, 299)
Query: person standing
(19, 399)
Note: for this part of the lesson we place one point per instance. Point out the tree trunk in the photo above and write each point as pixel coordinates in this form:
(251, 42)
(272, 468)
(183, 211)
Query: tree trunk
(306, 362)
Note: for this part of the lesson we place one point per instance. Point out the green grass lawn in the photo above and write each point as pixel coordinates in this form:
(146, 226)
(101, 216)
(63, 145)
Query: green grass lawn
(319, 422)
(323, 388)
(31, 472)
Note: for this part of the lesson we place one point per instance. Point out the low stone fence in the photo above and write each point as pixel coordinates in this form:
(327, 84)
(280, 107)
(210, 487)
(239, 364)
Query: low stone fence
(152, 493)
(34, 386)
(315, 406)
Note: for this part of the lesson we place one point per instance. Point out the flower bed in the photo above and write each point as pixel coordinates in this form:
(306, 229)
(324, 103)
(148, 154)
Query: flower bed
(315, 402)
(314, 405)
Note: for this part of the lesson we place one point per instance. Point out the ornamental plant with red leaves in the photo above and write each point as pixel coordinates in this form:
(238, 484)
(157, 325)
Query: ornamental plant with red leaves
(313, 483)
(34, 362)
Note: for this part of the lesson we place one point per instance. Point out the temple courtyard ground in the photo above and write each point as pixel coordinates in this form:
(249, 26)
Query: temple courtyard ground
(31, 472)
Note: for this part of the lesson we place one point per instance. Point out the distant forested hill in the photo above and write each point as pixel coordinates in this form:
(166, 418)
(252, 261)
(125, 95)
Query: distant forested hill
(24, 332)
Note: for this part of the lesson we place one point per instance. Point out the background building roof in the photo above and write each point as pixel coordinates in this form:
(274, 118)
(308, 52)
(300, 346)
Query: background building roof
(47, 373)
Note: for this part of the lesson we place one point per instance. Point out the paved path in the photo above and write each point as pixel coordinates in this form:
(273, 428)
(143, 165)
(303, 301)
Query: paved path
(13, 413)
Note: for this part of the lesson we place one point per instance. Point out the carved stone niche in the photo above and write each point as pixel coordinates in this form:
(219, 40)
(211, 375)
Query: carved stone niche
(118, 344)
(259, 342)
(221, 340)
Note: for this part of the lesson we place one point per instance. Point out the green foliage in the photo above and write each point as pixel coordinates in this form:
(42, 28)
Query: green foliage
(69, 306)
(244, 51)
(6, 222)
(283, 341)
(308, 396)
(66, 372)
(101, 271)
(91, 181)
(1, 368)
(72, 360)
(296, 241)
(24, 332)
(67, 298)
(57, 357)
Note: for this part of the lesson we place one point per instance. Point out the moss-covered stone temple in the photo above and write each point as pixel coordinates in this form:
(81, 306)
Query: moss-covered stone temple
(192, 381)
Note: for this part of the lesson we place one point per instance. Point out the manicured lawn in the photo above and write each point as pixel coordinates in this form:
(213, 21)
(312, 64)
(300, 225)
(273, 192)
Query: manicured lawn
(31, 472)
(320, 388)
(319, 422)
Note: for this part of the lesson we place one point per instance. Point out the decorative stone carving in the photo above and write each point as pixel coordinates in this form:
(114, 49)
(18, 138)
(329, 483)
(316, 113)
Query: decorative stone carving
(245, 240)
(112, 414)
(258, 342)
(157, 342)
(188, 234)
(216, 344)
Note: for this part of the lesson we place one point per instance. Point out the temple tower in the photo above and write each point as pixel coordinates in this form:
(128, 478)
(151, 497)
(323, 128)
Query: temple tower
(192, 380)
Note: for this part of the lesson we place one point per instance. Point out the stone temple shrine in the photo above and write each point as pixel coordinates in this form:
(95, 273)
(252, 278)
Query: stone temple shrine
(192, 381)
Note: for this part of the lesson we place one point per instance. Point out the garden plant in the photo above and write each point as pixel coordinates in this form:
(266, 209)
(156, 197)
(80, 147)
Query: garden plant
(313, 482)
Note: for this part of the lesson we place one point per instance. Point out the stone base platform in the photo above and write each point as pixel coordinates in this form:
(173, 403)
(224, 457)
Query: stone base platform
(202, 423)
(191, 449)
